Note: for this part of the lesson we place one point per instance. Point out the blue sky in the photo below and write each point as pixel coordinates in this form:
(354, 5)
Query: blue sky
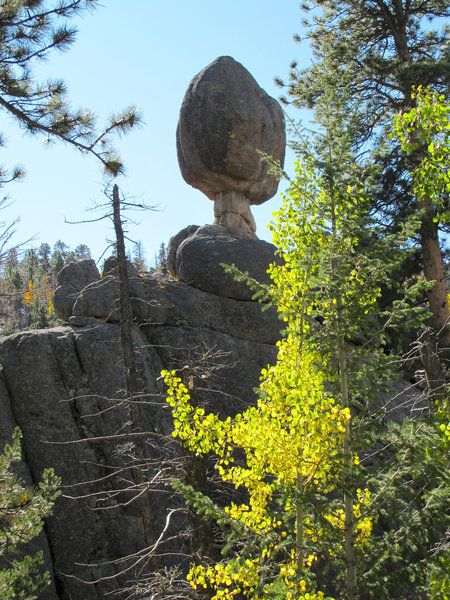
(145, 53)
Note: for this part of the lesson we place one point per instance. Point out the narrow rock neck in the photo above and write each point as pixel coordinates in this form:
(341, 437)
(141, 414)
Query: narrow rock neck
(232, 210)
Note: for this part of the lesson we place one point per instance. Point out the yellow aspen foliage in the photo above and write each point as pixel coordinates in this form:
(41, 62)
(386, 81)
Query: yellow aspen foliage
(30, 295)
(294, 432)
(293, 456)
(44, 293)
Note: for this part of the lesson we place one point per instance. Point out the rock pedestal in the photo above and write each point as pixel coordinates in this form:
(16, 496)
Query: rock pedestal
(226, 120)
(232, 210)
(196, 256)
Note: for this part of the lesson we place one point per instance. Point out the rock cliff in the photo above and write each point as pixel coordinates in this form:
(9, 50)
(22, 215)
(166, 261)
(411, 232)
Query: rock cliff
(64, 388)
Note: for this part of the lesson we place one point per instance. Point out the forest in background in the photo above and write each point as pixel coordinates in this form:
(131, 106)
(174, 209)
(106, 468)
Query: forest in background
(28, 281)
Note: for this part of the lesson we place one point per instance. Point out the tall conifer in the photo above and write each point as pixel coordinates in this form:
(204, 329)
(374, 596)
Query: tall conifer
(377, 52)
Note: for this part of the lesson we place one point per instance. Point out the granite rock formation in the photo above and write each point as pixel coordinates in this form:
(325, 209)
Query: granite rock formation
(196, 255)
(64, 388)
(224, 120)
(72, 279)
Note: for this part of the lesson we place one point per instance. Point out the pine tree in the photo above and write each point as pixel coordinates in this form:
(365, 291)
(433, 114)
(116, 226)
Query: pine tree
(44, 252)
(22, 510)
(379, 51)
(161, 262)
(29, 30)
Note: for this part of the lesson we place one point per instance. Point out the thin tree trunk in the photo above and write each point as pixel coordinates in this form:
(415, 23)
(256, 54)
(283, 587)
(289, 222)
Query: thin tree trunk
(351, 579)
(202, 540)
(434, 271)
(349, 523)
(299, 534)
(129, 363)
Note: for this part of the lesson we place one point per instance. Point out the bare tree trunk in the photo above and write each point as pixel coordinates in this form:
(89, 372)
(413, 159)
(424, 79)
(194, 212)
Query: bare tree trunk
(126, 340)
(434, 271)
(299, 523)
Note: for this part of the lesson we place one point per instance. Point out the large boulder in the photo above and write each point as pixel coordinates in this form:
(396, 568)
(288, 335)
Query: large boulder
(198, 260)
(225, 119)
(71, 280)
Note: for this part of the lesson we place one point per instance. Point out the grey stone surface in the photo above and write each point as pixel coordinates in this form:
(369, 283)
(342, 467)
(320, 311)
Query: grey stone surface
(159, 300)
(111, 267)
(64, 388)
(177, 304)
(198, 260)
(99, 300)
(224, 119)
(235, 364)
(232, 210)
(71, 280)
(173, 245)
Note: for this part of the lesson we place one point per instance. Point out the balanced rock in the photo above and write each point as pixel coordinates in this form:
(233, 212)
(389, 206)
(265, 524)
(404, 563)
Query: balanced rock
(225, 119)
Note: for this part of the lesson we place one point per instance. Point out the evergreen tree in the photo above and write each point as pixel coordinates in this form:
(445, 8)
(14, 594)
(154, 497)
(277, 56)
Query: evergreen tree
(161, 262)
(308, 524)
(81, 252)
(44, 252)
(58, 257)
(30, 265)
(381, 50)
(29, 30)
(22, 510)
(376, 52)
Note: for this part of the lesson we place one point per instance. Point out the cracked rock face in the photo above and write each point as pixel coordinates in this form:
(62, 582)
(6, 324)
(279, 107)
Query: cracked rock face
(64, 388)
(225, 119)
